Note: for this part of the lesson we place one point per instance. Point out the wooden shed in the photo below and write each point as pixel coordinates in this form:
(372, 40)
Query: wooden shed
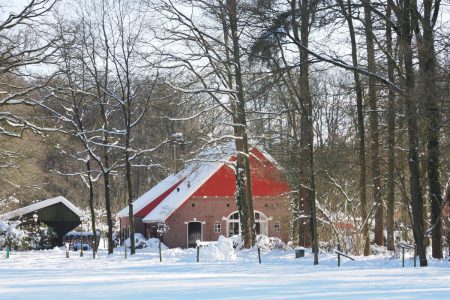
(57, 213)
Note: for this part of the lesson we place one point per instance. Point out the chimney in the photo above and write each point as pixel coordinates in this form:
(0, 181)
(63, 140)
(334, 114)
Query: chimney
(178, 149)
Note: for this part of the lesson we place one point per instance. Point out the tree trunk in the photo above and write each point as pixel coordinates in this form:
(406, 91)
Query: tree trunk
(307, 185)
(427, 58)
(130, 201)
(109, 220)
(91, 209)
(243, 174)
(390, 203)
(374, 133)
(406, 25)
(106, 183)
(127, 117)
(306, 96)
(347, 12)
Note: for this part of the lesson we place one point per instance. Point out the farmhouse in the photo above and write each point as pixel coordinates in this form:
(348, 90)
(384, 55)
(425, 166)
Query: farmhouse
(198, 203)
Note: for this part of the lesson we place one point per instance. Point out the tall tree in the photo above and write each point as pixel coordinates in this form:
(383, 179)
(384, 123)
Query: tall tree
(390, 201)
(347, 12)
(221, 48)
(126, 34)
(295, 23)
(301, 35)
(407, 21)
(373, 122)
(243, 175)
(430, 96)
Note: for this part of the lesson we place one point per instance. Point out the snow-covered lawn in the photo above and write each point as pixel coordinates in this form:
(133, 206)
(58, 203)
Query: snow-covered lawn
(49, 275)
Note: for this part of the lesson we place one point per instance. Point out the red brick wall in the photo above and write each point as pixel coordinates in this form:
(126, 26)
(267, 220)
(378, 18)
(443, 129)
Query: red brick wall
(213, 209)
(139, 226)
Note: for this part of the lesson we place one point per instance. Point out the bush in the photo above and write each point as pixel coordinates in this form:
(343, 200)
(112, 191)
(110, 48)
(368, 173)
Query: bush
(269, 243)
(25, 238)
(11, 235)
(141, 242)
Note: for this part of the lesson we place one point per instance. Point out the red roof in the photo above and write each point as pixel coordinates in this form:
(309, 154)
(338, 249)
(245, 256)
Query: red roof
(267, 180)
(149, 207)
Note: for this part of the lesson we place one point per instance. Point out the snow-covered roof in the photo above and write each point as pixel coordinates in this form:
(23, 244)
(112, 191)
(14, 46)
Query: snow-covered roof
(196, 175)
(151, 195)
(187, 182)
(39, 205)
(271, 159)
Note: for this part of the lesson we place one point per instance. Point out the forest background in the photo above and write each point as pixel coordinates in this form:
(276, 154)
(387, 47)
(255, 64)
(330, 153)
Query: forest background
(100, 100)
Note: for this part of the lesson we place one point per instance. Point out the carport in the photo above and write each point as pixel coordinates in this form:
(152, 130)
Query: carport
(57, 213)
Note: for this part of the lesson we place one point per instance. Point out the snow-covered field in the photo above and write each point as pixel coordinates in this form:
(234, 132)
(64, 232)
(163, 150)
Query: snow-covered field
(49, 275)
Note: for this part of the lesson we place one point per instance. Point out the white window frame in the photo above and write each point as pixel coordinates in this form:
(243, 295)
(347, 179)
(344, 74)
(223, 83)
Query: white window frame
(263, 221)
(217, 227)
(277, 227)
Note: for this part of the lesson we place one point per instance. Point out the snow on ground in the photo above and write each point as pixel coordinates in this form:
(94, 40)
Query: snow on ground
(49, 275)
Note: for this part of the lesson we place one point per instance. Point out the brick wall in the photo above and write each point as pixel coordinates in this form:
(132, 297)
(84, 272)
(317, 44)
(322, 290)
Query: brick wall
(139, 226)
(214, 209)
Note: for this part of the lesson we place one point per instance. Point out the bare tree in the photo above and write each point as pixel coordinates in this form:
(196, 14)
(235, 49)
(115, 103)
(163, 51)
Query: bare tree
(22, 46)
(407, 22)
(390, 201)
(374, 130)
(222, 78)
(428, 92)
(132, 81)
(305, 102)
(347, 12)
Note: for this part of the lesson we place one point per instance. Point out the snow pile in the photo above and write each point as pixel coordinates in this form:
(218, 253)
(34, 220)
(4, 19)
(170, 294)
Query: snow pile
(154, 243)
(237, 241)
(262, 241)
(380, 250)
(222, 250)
(57, 249)
(141, 242)
(269, 243)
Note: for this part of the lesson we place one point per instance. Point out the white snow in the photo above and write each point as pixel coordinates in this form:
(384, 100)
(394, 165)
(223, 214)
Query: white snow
(195, 177)
(9, 230)
(49, 275)
(142, 242)
(196, 173)
(39, 205)
(151, 195)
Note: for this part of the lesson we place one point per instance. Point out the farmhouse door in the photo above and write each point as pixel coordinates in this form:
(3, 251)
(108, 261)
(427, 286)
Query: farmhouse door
(194, 233)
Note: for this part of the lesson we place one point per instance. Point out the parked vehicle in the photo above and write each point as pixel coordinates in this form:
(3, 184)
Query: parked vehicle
(77, 247)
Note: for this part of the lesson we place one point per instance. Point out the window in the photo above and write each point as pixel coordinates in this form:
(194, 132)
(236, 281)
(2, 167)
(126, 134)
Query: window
(233, 228)
(234, 216)
(233, 224)
(276, 226)
(217, 227)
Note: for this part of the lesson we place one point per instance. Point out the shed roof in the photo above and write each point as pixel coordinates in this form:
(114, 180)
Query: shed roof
(40, 205)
